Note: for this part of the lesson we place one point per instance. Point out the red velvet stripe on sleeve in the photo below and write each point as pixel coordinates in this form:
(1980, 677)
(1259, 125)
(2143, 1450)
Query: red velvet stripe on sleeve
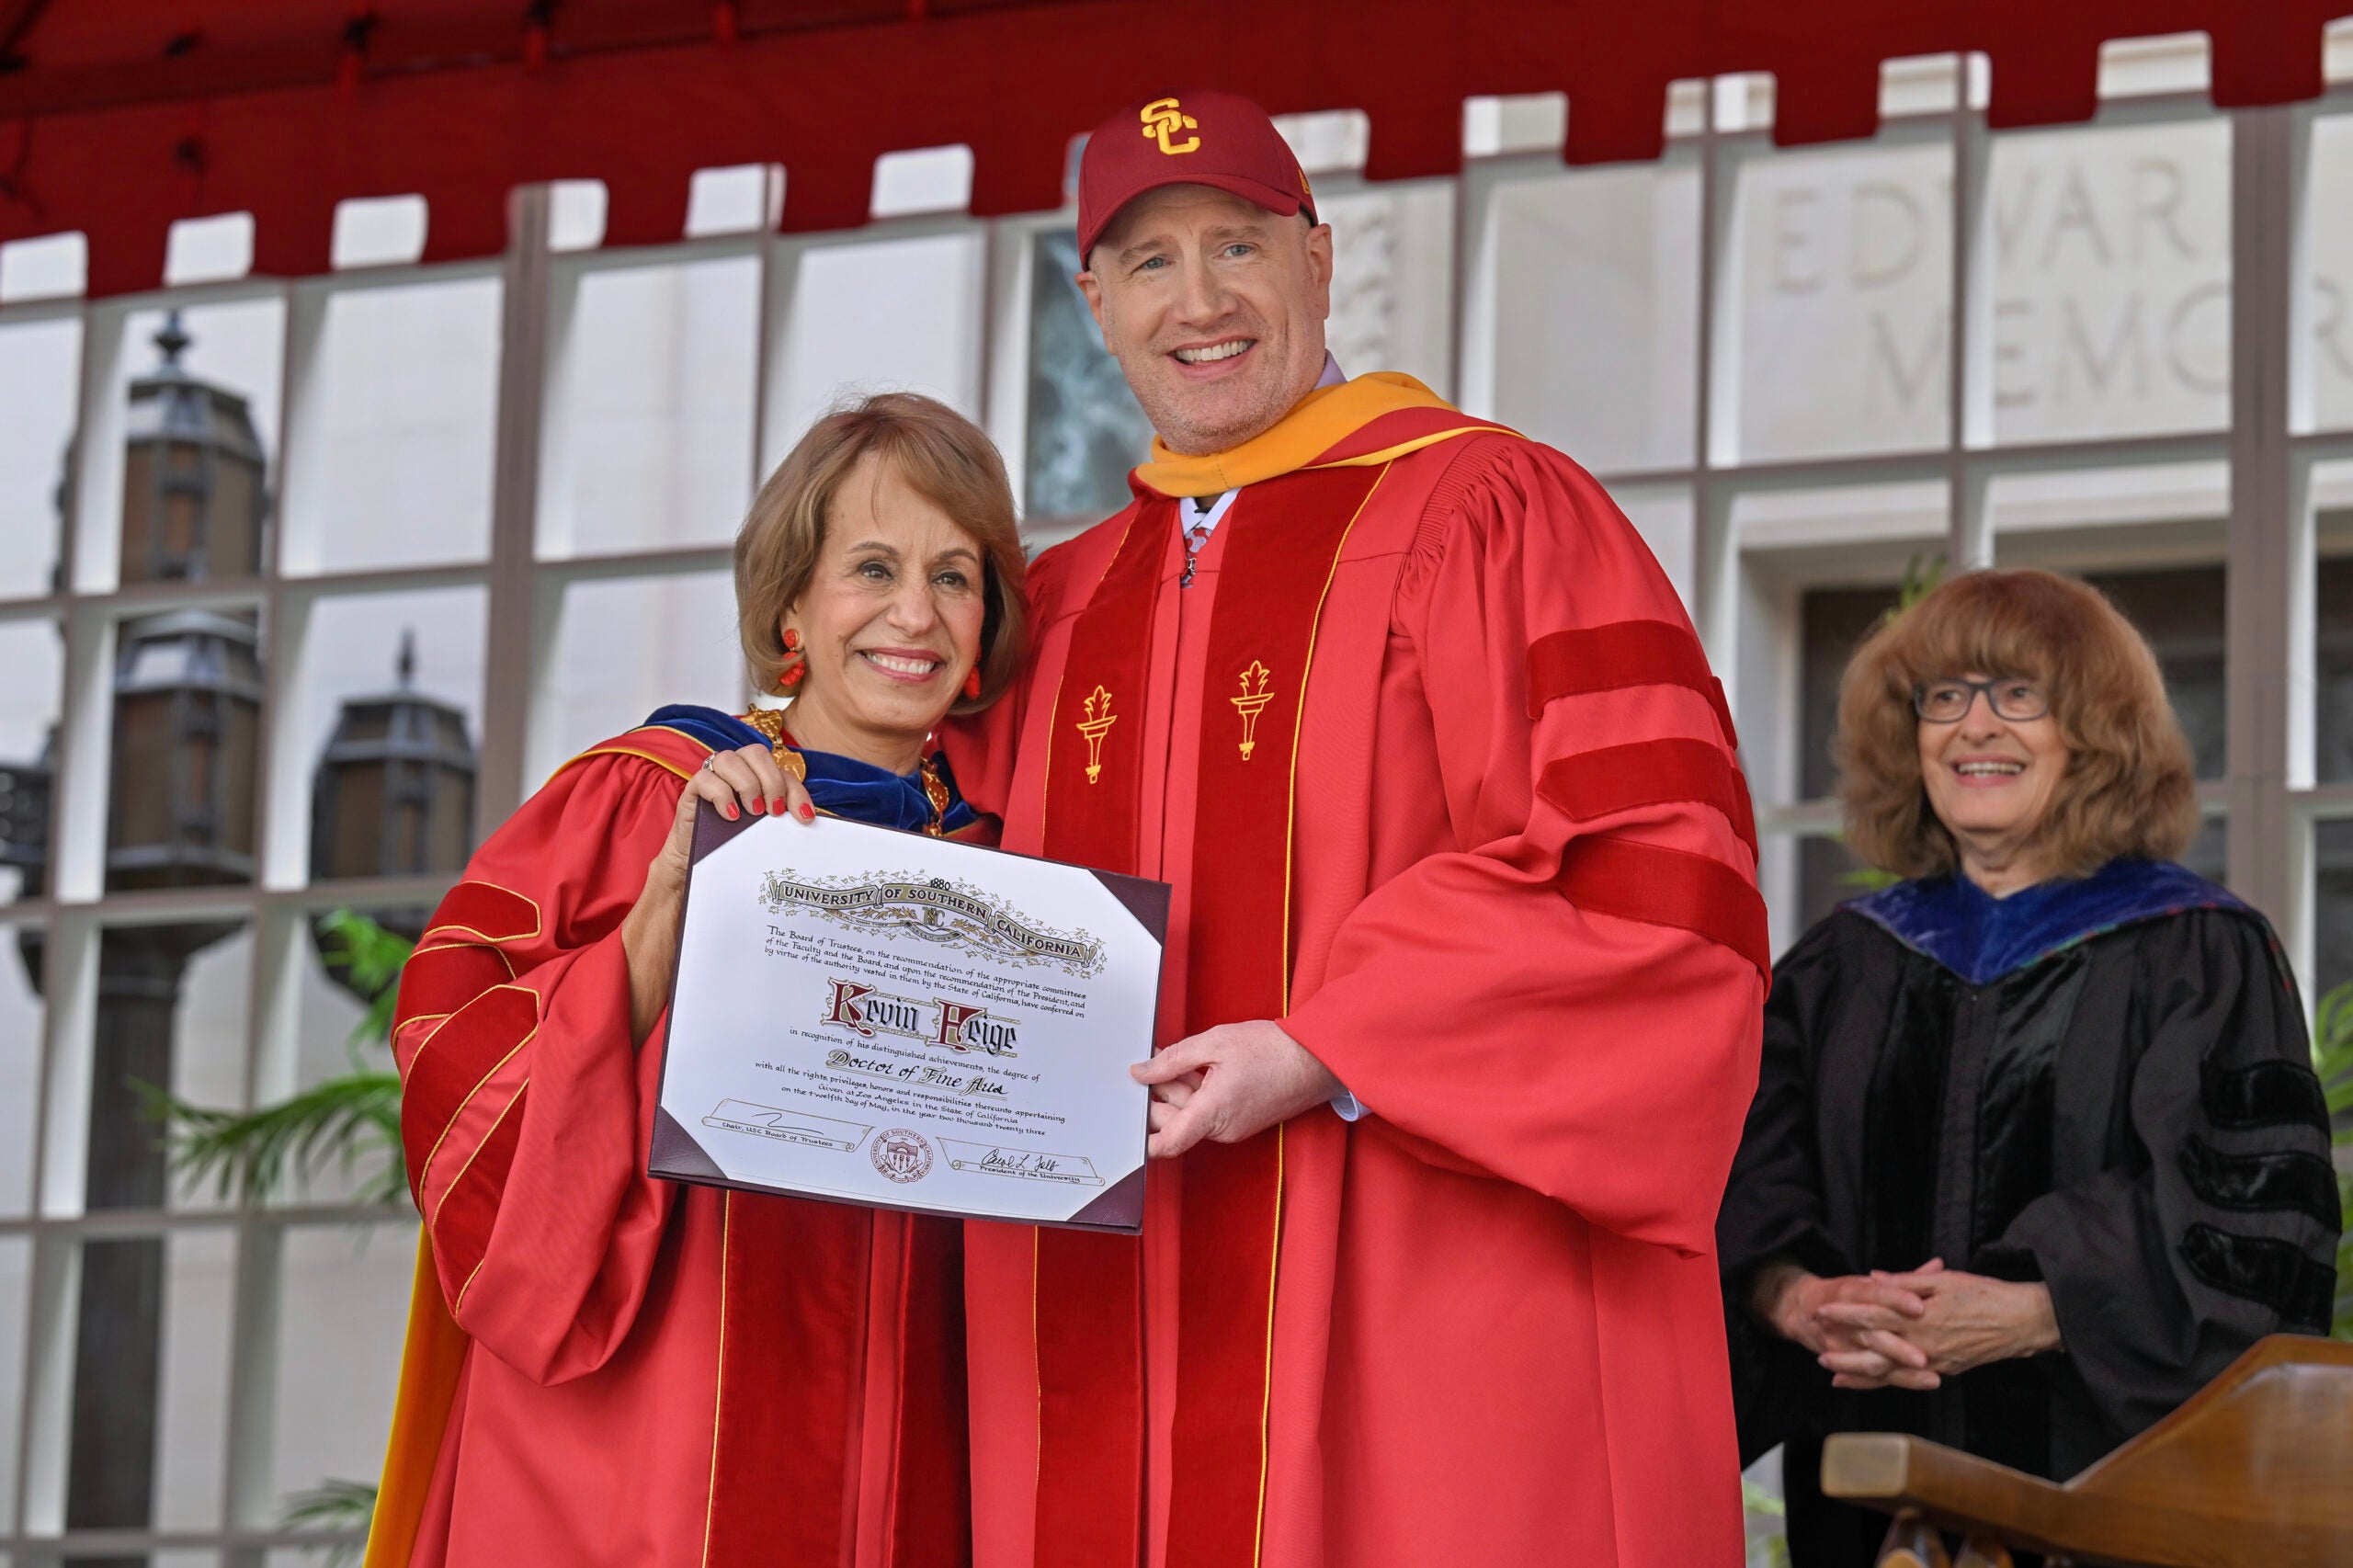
(438, 981)
(462, 1219)
(453, 1064)
(494, 913)
(1668, 887)
(1622, 654)
(1649, 773)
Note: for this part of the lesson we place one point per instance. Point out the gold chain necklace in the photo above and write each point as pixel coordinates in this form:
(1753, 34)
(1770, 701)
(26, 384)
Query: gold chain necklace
(770, 724)
(934, 789)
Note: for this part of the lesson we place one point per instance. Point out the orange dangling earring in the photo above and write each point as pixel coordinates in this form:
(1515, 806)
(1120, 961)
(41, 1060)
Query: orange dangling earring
(795, 664)
(972, 682)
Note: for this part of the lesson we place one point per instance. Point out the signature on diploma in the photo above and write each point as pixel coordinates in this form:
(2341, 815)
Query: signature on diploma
(787, 1127)
(1030, 1165)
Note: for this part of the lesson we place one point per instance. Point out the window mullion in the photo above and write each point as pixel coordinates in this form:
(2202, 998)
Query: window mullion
(1715, 561)
(1968, 337)
(509, 653)
(2262, 573)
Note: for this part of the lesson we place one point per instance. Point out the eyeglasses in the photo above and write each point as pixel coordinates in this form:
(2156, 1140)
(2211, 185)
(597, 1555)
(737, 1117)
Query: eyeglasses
(1948, 701)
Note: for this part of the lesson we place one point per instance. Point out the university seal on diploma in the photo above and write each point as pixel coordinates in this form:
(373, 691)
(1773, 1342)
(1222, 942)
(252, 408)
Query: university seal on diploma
(906, 1022)
(901, 1155)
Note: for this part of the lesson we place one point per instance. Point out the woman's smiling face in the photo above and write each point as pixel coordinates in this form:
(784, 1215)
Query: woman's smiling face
(890, 623)
(1991, 779)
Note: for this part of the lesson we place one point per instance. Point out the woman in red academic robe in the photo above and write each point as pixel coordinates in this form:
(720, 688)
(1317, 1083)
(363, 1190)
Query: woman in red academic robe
(605, 1368)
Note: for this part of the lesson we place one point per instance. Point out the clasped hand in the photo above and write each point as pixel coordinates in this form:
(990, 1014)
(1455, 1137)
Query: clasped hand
(1225, 1083)
(1910, 1330)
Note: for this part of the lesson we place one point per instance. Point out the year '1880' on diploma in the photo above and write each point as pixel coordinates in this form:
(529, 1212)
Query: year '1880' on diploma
(880, 1017)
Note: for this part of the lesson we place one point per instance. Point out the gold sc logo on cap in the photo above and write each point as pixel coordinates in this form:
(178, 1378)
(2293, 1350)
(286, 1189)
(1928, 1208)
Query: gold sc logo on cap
(1162, 120)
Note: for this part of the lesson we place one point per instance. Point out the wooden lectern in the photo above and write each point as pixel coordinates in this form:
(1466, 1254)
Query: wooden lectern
(2255, 1472)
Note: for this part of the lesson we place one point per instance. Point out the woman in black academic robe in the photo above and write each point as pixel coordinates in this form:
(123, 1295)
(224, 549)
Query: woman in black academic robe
(2037, 1148)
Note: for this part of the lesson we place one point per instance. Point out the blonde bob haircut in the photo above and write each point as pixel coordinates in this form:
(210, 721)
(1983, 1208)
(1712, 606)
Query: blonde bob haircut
(944, 457)
(2128, 789)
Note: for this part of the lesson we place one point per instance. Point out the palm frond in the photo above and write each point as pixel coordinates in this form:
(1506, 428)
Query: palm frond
(332, 1506)
(1768, 1538)
(371, 959)
(2341, 1326)
(343, 1120)
(249, 1155)
(1869, 878)
(2333, 1060)
(1921, 575)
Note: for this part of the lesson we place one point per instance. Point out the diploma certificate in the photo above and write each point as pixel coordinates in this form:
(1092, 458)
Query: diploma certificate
(879, 1017)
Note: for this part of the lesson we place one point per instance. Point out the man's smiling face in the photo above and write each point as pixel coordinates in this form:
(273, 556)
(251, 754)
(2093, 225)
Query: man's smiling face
(1214, 308)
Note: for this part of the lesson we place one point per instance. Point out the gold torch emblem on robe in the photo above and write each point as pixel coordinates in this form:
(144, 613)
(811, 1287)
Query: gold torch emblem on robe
(1253, 701)
(1098, 721)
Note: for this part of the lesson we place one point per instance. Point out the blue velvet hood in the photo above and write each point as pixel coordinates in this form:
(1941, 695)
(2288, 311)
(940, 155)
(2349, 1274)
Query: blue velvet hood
(841, 785)
(1981, 938)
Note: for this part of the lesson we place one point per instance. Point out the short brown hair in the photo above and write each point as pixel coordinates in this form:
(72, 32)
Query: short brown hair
(943, 456)
(2130, 786)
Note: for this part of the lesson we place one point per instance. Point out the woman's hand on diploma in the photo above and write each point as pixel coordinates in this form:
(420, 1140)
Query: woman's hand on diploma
(733, 782)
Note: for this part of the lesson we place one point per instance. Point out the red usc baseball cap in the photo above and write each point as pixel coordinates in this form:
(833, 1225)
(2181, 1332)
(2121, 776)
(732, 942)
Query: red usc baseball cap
(1213, 139)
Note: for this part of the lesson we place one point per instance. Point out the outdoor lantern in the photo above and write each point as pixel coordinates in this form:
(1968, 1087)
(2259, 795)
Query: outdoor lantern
(193, 497)
(394, 793)
(187, 725)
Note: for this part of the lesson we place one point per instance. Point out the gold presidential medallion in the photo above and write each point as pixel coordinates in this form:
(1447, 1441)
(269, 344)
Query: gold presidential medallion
(770, 721)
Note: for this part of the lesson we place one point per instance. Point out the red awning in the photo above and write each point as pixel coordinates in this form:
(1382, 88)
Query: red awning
(119, 116)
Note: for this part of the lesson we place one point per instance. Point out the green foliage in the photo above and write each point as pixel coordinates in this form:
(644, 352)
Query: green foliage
(1768, 1543)
(2342, 1328)
(333, 1506)
(1921, 575)
(371, 958)
(1867, 878)
(2333, 1059)
(340, 1120)
(349, 1120)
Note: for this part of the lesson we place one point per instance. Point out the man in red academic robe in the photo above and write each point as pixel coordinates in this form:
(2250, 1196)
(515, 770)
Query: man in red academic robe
(1465, 972)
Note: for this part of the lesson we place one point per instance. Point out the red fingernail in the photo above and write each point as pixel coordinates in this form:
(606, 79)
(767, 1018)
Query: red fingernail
(776, 806)
(731, 813)
(759, 805)
(808, 812)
